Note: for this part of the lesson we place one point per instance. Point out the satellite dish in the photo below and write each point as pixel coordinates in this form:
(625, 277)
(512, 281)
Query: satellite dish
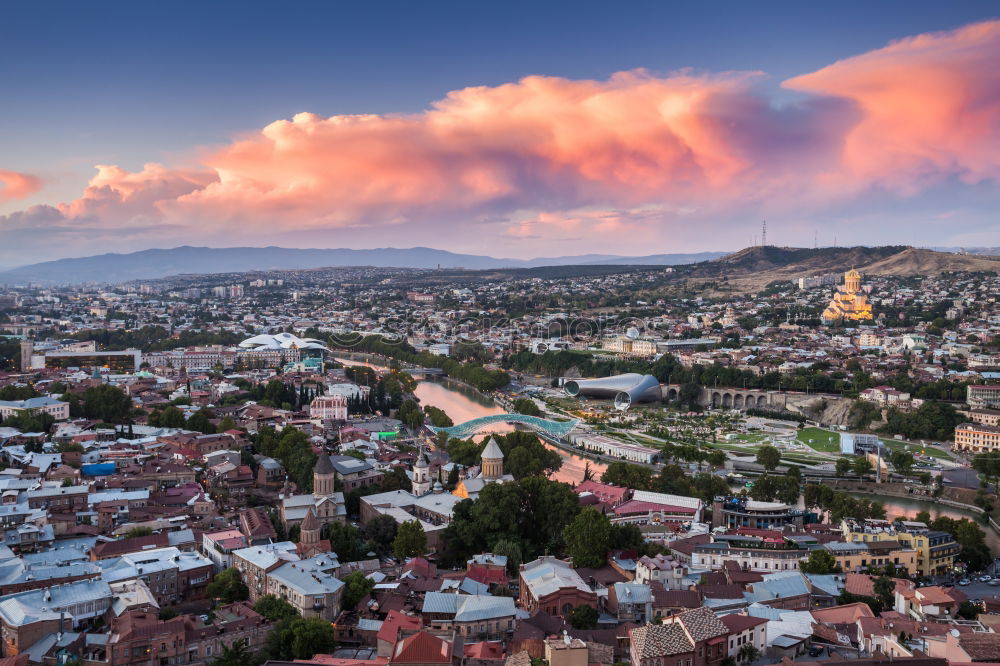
(632, 333)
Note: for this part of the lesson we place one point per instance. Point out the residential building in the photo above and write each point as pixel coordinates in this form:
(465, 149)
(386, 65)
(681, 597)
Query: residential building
(476, 617)
(552, 585)
(745, 630)
(694, 638)
(977, 437)
(661, 569)
(55, 408)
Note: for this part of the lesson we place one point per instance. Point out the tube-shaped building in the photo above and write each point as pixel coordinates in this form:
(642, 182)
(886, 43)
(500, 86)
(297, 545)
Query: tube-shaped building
(625, 389)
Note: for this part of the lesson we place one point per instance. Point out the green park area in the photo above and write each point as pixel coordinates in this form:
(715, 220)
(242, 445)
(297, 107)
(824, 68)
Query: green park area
(916, 448)
(820, 440)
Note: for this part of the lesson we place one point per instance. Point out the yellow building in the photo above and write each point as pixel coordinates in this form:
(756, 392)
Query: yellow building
(977, 437)
(936, 550)
(849, 302)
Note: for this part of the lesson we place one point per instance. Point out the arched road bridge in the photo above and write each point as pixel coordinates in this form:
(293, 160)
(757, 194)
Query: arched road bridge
(555, 429)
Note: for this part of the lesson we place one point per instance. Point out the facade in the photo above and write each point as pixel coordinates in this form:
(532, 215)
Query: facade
(736, 512)
(694, 638)
(662, 569)
(552, 585)
(745, 630)
(849, 301)
(310, 586)
(977, 437)
(329, 407)
(325, 502)
(616, 448)
(255, 562)
(751, 553)
(476, 617)
(980, 396)
(936, 551)
(354, 473)
(55, 408)
(632, 347)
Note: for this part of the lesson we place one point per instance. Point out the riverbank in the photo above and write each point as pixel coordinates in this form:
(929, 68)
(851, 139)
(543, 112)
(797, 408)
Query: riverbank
(383, 364)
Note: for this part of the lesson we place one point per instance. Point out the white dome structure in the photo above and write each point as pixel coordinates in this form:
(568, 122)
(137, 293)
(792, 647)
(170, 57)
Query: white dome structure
(282, 341)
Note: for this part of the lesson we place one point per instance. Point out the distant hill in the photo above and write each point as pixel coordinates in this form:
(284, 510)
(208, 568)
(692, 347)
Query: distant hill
(159, 263)
(752, 268)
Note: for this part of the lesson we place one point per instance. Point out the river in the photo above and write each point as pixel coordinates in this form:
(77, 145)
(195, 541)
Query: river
(463, 403)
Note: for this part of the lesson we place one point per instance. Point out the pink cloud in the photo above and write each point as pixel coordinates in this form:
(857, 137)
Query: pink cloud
(930, 108)
(560, 157)
(14, 185)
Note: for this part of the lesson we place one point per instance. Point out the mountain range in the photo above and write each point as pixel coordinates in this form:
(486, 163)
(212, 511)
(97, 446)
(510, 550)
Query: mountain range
(159, 263)
(752, 265)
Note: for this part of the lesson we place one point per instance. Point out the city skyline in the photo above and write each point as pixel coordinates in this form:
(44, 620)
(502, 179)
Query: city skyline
(464, 129)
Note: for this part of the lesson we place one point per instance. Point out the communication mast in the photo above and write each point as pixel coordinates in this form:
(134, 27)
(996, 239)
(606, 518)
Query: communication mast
(763, 233)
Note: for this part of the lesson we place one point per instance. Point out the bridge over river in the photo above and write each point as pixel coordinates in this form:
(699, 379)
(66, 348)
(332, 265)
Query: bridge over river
(555, 429)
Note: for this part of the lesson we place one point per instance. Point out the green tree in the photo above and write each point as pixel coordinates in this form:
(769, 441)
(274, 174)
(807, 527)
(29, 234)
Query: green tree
(411, 415)
(844, 466)
(300, 638)
(227, 423)
(228, 586)
(274, 608)
(588, 538)
(820, 561)
(356, 587)
(862, 466)
(235, 654)
(884, 587)
(627, 475)
(768, 456)
(410, 541)
(748, 653)
(171, 417)
(526, 406)
(968, 610)
(381, 530)
(138, 532)
(902, 461)
(583, 617)
(199, 422)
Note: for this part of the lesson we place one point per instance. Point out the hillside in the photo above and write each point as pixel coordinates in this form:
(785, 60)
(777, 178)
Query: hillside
(914, 261)
(753, 268)
(159, 263)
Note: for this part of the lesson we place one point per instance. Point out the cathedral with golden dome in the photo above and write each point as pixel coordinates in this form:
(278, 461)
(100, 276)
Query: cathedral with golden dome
(849, 302)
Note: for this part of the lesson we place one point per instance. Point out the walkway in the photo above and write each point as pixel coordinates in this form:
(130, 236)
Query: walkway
(555, 429)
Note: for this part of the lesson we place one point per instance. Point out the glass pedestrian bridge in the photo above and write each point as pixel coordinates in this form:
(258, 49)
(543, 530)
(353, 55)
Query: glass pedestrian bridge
(555, 429)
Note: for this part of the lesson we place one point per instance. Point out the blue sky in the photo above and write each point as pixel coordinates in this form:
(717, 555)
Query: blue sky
(128, 83)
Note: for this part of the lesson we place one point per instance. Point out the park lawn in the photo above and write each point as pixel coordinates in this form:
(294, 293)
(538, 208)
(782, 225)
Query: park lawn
(929, 451)
(823, 440)
(750, 437)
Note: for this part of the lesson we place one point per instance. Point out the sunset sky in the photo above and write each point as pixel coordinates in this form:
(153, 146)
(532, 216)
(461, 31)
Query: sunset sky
(503, 128)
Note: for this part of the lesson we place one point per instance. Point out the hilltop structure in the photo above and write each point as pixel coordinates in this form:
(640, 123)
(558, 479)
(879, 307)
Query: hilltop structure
(849, 301)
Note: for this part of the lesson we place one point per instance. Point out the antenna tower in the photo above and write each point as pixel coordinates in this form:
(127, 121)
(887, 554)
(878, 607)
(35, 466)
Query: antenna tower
(763, 233)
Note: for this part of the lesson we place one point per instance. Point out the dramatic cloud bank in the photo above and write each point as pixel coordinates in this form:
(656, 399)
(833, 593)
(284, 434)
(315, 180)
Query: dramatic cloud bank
(14, 185)
(554, 158)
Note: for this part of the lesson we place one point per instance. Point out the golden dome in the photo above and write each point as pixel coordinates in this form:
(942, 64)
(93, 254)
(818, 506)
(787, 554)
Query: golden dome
(852, 274)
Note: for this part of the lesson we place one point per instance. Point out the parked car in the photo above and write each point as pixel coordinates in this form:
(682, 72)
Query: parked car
(964, 582)
(995, 582)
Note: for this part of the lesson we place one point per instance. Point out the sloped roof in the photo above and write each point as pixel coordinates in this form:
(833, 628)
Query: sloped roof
(422, 648)
(492, 451)
(657, 640)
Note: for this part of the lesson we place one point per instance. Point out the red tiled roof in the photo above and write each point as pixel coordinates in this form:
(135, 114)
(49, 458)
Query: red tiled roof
(638, 506)
(395, 621)
(736, 623)
(422, 648)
